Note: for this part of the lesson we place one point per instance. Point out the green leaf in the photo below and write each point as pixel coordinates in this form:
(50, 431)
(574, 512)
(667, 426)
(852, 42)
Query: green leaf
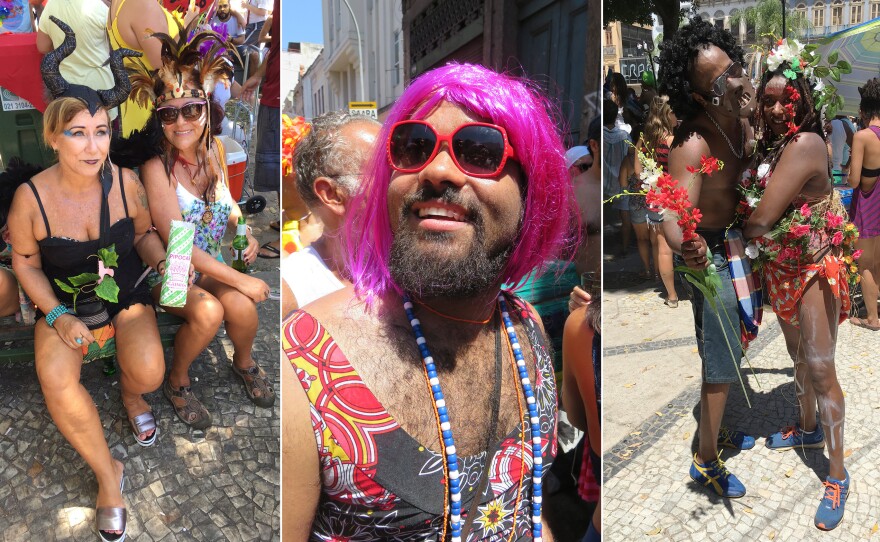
(810, 47)
(790, 74)
(108, 290)
(844, 66)
(832, 57)
(64, 287)
(822, 71)
(108, 256)
(84, 278)
(707, 294)
(835, 74)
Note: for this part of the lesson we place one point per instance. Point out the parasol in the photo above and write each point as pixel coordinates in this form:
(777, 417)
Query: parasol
(860, 46)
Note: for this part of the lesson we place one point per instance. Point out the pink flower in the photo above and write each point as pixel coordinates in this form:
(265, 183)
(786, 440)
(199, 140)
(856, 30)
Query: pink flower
(805, 211)
(102, 271)
(800, 230)
(857, 254)
(833, 219)
(837, 239)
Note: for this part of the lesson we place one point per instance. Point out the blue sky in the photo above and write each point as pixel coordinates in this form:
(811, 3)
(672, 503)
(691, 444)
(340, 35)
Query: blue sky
(301, 21)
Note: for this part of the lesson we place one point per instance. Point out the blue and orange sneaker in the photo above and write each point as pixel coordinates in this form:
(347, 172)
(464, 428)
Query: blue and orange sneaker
(737, 440)
(830, 511)
(715, 475)
(795, 437)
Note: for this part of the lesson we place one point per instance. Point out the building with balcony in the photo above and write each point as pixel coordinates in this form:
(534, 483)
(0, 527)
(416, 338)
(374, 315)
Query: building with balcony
(334, 79)
(628, 49)
(825, 17)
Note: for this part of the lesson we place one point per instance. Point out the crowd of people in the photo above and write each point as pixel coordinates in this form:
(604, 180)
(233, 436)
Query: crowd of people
(136, 148)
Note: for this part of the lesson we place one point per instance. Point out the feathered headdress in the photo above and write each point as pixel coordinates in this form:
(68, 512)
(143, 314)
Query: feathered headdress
(197, 57)
(59, 87)
(192, 64)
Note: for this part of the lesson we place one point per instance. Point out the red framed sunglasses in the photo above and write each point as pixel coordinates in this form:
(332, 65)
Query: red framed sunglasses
(478, 149)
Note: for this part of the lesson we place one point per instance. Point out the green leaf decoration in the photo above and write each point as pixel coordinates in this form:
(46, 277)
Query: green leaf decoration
(108, 290)
(822, 71)
(64, 287)
(83, 279)
(108, 256)
(835, 74)
(789, 73)
(810, 47)
(844, 66)
(832, 57)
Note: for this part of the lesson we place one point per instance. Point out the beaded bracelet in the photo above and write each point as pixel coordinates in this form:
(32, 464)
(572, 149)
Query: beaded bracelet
(55, 313)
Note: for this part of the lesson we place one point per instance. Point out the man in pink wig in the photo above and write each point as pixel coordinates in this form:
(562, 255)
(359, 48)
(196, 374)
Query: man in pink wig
(420, 401)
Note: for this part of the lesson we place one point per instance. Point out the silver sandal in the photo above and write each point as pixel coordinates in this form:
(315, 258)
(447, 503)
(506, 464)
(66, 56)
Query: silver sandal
(112, 519)
(144, 423)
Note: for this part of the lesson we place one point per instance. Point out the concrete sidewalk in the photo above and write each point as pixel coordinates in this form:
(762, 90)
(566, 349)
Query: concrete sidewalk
(219, 484)
(651, 405)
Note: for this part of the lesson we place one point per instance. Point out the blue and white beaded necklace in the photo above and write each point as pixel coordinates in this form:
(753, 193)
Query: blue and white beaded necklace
(450, 455)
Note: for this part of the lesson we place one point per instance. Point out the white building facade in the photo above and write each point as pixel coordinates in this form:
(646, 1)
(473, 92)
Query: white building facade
(294, 62)
(334, 79)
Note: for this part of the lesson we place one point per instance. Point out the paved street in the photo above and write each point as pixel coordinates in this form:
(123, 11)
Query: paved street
(219, 484)
(651, 405)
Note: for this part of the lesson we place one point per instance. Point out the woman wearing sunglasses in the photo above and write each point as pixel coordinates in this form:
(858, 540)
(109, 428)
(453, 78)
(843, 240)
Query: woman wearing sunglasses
(189, 181)
(80, 231)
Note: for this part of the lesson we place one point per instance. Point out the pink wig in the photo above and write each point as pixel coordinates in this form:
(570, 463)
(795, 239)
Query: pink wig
(515, 104)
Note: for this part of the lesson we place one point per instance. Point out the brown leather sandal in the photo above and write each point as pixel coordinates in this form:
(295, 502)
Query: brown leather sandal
(255, 380)
(187, 406)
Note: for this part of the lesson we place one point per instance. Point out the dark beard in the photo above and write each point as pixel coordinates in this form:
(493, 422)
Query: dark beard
(432, 274)
(222, 18)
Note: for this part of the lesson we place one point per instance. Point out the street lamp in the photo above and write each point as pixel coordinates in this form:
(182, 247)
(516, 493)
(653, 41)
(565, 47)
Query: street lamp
(360, 49)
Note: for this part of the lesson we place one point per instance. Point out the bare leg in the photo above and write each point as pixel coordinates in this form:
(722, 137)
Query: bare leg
(713, 398)
(140, 356)
(203, 315)
(240, 315)
(803, 388)
(73, 410)
(625, 229)
(818, 314)
(643, 243)
(664, 265)
(8, 293)
(868, 265)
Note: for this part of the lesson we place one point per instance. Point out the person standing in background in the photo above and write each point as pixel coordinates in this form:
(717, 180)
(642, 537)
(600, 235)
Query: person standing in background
(86, 65)
(267, 175)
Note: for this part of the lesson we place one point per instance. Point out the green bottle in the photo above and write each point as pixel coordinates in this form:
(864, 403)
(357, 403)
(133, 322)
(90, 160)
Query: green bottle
(239, 245)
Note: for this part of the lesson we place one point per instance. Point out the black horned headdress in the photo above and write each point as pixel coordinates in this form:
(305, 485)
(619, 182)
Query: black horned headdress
(59, 87)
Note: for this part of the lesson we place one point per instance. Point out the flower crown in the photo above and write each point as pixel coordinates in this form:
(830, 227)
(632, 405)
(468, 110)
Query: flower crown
(805, 60)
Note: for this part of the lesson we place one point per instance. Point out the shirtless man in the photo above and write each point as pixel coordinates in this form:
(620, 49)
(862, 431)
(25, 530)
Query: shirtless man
(710, 92)
(401, 389)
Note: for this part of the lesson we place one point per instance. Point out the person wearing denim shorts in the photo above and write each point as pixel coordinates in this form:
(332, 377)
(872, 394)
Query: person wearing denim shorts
(717, 334)
(701, 70)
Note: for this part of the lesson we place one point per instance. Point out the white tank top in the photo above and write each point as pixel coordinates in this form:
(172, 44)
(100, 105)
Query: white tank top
(308, 277)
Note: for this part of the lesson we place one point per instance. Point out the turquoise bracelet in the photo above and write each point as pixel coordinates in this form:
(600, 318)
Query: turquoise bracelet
(55, 313)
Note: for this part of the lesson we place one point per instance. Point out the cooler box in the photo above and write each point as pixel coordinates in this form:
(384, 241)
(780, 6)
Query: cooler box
(21, 132)
(236, 163)
(845, 196)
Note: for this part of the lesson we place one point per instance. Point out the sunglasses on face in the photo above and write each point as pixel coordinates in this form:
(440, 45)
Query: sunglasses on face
(191, 111)
(719, 85)
(477, 148)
